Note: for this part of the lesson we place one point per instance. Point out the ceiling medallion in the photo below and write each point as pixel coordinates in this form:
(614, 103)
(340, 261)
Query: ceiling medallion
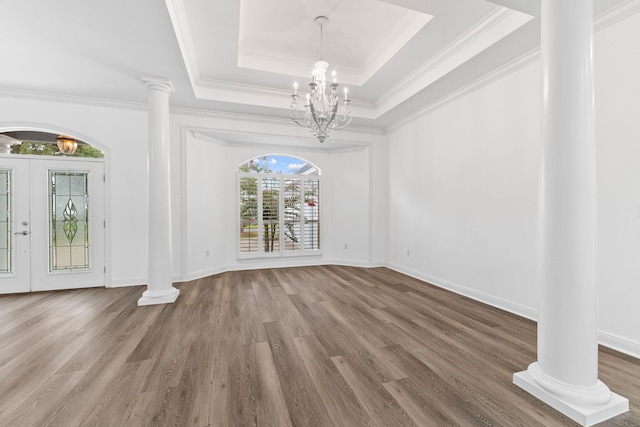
(320, 113)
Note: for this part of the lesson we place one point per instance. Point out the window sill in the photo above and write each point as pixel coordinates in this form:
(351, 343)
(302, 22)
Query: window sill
(279, 256)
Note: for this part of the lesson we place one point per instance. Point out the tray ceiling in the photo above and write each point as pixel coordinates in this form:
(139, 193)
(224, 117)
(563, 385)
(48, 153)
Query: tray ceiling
(251, 51)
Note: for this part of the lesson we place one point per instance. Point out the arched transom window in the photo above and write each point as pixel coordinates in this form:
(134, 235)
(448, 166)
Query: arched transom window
(279, 207)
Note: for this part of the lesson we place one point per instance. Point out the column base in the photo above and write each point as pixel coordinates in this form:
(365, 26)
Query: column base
(584, 414)
(159, 297)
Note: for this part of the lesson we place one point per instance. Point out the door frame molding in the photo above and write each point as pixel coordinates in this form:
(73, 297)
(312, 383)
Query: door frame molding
(13, 126)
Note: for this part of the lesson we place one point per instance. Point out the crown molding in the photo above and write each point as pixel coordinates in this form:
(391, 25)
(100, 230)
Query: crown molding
(499, 73)
(237, 93)
(602, 21)
(616, 14)
(410, 26)
(495, 26)
(257, 58)
(74, 99)
(271, 141)
(180, 24)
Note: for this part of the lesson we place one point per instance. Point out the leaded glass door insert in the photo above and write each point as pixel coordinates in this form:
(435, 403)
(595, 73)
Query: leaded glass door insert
(6, 237)
(68, 220)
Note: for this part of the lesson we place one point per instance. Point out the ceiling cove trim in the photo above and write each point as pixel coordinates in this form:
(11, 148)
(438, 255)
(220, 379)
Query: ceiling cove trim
(266, 122)
(602, 21)
(73, 99)
(180, 24)
(495, 26)
(265, 97)
(271, 141)
(412, 24)
(511, 67)
(617, 14)
(492, 28)
(298, 66)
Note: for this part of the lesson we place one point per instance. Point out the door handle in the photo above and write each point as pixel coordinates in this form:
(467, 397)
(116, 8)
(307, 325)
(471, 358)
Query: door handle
(24, 233)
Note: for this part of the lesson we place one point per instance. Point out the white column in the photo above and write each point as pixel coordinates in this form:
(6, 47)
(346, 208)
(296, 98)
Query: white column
(566, 373)
(6, 143)
(160, 288)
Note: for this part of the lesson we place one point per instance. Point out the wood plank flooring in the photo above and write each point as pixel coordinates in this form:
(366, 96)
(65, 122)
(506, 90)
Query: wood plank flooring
(307, 346)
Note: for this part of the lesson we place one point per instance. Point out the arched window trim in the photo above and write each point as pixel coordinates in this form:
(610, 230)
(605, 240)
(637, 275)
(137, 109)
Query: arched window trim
(282, 219)
(305, 161)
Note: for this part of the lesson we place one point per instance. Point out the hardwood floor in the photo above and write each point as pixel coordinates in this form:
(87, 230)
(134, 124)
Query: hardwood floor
(309, 346)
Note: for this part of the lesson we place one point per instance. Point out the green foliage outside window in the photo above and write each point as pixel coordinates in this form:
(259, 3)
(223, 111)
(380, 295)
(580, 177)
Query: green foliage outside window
(47, 149)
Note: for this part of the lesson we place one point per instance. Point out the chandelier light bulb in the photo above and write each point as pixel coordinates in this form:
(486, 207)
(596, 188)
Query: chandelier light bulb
(295, 88)
(335, 80)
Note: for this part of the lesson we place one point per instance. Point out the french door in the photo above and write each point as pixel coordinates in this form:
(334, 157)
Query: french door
(52, 223)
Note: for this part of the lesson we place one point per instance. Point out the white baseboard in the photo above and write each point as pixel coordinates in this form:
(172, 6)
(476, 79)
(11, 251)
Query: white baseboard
(258, 264)
(204, 273)
(615, 342)
(511, 307)
(131, 281)
(618, 343)
(355, 263)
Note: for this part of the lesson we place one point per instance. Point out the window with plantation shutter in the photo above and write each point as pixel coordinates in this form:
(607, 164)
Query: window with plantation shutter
(279, 213)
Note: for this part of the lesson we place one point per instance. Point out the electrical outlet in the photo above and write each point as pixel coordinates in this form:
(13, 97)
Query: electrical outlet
(206, 253)
(346, 246)
(408, 252)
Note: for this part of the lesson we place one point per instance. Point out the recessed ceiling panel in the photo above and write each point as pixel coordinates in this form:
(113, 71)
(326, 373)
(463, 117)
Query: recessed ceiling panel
(359, 38)
(250, 52)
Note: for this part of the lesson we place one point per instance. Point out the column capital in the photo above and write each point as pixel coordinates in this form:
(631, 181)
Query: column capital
(6, 143)
(157, 83)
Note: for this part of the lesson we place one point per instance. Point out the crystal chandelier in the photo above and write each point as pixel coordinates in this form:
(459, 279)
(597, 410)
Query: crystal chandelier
(320, 113)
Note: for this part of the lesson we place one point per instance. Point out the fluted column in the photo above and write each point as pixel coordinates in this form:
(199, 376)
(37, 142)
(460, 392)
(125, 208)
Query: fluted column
(566, 373)
(160, 288)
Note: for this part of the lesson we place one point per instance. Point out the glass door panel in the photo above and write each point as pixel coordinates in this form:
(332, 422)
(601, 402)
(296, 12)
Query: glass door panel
(68, 235)
(14, 226)
(52, 229)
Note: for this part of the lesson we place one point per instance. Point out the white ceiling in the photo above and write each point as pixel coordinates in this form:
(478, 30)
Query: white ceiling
(242, 56)
(281, 37)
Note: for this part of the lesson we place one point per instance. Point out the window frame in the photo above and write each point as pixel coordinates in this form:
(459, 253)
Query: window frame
(281, 252)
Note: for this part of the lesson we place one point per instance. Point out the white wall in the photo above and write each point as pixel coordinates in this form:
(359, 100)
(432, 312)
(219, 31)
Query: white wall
(209, 208)
(463, 190)
(208, 197)
(618, 131)
(122, 133)
(348, 183)
(379, 193)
